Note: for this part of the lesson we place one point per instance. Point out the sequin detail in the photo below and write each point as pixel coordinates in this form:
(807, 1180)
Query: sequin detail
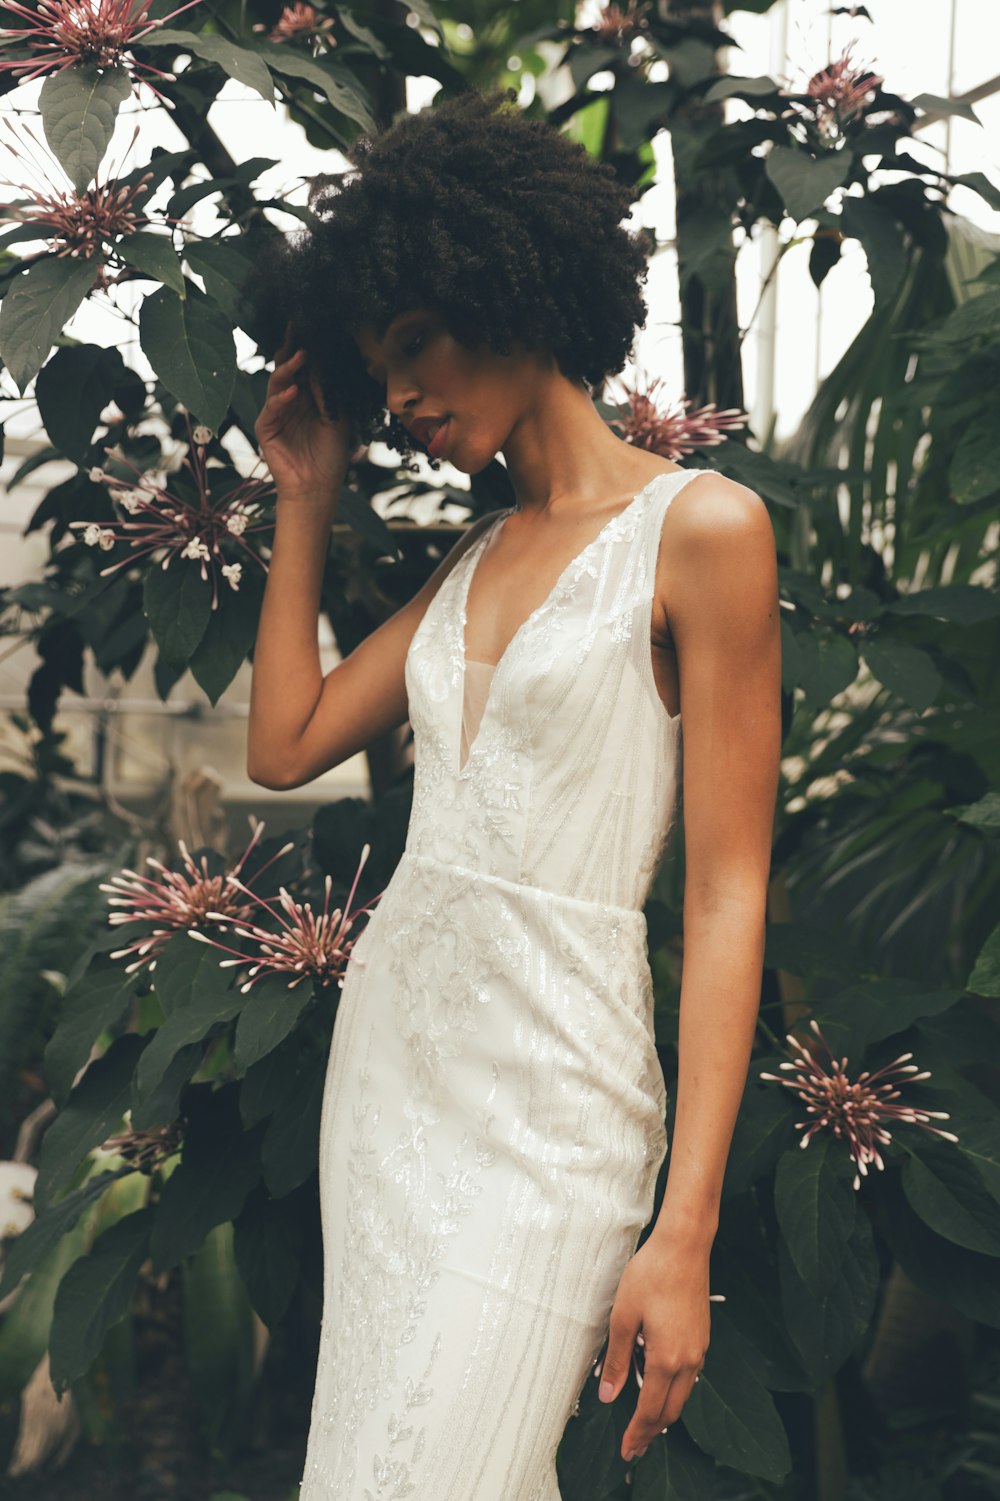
(493, 1119)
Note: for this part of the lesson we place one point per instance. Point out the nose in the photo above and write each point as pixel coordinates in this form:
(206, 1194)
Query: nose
(399, 396)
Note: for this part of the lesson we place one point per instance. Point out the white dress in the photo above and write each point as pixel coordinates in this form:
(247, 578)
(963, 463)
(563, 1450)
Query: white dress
(493, 1121)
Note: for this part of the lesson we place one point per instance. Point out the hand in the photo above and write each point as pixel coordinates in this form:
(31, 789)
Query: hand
(664, 1292)
(306, 450)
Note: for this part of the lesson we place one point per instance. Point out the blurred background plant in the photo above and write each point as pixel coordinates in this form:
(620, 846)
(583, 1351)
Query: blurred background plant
(160, 1295)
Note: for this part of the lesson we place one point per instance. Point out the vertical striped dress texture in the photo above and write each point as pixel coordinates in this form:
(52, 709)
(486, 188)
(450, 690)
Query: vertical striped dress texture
(493, 1117)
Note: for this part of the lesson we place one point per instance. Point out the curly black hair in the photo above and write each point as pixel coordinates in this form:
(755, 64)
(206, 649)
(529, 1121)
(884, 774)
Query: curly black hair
(502, 224)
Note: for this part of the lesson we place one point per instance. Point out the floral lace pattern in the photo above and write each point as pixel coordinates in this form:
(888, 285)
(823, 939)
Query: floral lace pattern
(493, 1119)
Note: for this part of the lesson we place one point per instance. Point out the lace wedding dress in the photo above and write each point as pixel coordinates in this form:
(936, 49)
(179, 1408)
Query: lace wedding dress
(493, 1122)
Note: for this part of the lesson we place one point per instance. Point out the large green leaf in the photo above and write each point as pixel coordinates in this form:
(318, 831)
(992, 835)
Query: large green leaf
(180, 1029)
(816, 1208)
(94, 1294)
(985, 977)
(219, 1166)
(975, 466)
(763, 1132)
(949, 1195)
(24, 1330)
(905, 669)
(219, 1340)
(178, 604)
(730, 1415)
(189, 343)
(327, 78)
(45, 1232)
(291, 1145)
(79, 108)
(224, 267)
(270, 1013)
(825, 1329)
(965, 604)
(268, 1242)
(806, 182)
(37, 307)
(92, 1113)
(229, 635)
(967, 1280)
(239, 62)
(674, 1469)
(881, 239)
(98, 1000)
(72, 390)
(155, 256)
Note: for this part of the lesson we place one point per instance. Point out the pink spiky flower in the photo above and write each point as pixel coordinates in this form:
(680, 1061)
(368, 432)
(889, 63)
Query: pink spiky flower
(306, 944)
(81, 223)
(673, 429)
(858, 1111)
(835, 96)
(174, 899)
(299, 20)
(175, 524)
(620, 24)
(81, 33)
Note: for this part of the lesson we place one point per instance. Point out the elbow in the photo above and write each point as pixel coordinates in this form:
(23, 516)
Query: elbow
(273, 780)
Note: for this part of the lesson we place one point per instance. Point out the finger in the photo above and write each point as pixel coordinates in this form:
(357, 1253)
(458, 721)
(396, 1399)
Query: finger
(286, 373)
(621, 1338)
(287, 342)
(680, 1389)
(648, 1420)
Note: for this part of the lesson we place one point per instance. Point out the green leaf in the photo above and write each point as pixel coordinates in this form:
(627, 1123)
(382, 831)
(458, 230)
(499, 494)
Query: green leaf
(219, 1340)
(965, 604)
(744, 88)
(268, 1241)
(25, 1328)
(189, 343)
(730, 1415)
(816, 1208)
(825, 1329)
(881, 239)
(291, 1145)
(79, 108)
(93, 1112)
(806, 182)
(94, 1294)
(178, 604)
(949, 1195)
(270, 1013)
(39, 304)
(269, 1082)
(162, 1104)
(239, 62)
(219, 1165)
(966, 1280)
(72, 391)
(329, 79)
(186, 970)
(985, 977)
(973, 473)
(188, 1025)
(935, 104)
(369, 525)
(981, 184)
(224, 267)
(98, 1000)
(229, 636)
(829, 664)
(155, 256)
(674, 1469)
(904, 669)
(35, 1243)
(763, 1133)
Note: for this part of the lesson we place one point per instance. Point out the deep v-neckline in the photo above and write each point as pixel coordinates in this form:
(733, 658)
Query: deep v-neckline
(471, 561)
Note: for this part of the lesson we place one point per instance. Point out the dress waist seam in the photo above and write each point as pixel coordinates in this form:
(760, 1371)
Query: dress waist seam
(633, 915)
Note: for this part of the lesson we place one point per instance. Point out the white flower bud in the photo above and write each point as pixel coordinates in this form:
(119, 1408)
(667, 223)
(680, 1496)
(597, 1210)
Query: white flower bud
(202, 435)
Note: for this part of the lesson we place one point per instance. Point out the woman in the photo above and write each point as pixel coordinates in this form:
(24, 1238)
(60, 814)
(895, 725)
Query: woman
(493, 1121)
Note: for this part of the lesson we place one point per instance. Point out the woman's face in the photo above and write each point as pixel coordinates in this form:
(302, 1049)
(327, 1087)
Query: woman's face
(428, 374)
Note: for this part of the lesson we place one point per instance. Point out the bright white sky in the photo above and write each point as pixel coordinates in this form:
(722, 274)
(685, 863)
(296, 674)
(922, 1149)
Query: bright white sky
(910, 43)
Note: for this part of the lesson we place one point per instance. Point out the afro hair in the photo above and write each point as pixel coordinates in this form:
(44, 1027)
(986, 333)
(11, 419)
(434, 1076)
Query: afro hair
(500, 223)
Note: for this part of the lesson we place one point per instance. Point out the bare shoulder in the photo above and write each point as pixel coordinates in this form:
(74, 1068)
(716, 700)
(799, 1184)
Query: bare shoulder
(718, 555)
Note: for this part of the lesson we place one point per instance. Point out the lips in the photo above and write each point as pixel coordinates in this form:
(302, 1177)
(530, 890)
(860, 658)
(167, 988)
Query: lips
(426, 427)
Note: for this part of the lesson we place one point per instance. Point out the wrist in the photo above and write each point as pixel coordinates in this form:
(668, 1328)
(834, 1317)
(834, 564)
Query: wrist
(694, 1229)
